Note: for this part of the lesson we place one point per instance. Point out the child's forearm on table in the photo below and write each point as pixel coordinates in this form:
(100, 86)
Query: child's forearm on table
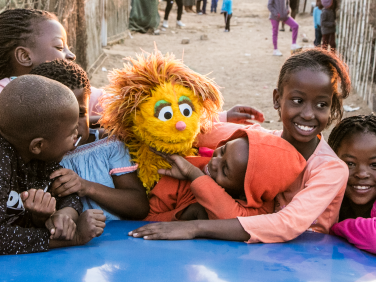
(224, 229)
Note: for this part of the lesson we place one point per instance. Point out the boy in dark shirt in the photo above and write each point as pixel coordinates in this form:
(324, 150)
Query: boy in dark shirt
(38, 126)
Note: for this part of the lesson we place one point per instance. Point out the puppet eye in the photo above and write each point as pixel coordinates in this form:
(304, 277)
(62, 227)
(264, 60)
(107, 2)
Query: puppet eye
(165, 113)
(185, 109)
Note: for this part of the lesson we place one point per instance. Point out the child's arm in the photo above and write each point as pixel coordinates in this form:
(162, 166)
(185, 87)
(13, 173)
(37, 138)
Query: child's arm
(128, 199)
(219, 204)
(227, 229)
(360, 232)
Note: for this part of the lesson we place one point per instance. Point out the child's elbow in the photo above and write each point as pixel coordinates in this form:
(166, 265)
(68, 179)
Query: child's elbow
(143, 211)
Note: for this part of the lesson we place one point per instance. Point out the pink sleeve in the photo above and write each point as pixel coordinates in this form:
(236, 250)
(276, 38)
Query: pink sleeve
(325, 182)
(219, 204)
(4, 82)
(360, 232)
(94, 107)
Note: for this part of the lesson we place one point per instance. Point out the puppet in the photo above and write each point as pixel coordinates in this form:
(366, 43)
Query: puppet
(157, 101)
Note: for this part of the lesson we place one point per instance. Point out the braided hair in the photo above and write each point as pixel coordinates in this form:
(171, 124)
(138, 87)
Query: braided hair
(324, 61)
(68, 73)
(16, 28)
(349, 126)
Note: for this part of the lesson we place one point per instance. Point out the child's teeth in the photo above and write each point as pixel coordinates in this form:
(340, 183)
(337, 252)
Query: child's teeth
(305, 128)
(361, 187)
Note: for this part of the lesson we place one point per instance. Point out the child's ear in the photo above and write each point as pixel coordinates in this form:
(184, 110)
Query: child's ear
(36, 145)
(276, 97)
(22, 55)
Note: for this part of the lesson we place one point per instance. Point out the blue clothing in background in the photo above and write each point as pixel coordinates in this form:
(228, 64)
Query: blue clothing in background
(316, 17)
(227, 6)
(96, 162)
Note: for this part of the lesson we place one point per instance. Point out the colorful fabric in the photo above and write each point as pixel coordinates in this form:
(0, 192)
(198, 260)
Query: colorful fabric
(262, 183)
(311, 202)
(96, 162)
(279, 9)
(290, 22)
(227, 6)
(317, 17)
(361, 232)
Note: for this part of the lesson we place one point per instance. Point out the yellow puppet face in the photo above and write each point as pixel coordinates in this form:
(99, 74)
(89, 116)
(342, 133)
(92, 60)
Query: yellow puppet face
(170, 119)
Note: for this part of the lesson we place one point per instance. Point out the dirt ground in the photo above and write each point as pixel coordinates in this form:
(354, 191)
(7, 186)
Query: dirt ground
(241, 61)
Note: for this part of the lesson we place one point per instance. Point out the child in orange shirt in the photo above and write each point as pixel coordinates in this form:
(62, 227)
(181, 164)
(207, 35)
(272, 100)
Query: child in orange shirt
(308, 100)
(239, 180)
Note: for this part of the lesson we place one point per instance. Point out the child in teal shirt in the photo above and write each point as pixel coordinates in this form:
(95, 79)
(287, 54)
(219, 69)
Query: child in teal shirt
(316, 22)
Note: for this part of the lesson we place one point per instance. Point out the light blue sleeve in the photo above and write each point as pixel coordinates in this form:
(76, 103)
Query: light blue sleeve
(119, 159)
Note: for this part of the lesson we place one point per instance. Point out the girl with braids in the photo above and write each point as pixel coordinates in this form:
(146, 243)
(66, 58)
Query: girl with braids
(30, 37)
(308, 100)
(99, 171)
(354, 141)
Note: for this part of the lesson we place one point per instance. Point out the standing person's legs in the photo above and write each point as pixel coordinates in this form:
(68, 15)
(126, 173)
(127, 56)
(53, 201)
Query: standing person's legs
(318, 36)
(204, 6)
(198, 6)
(294, 26)
(168, 9)
(325, 41)
(228, 19)
(275, 33)
(180, 8)
(332, 42)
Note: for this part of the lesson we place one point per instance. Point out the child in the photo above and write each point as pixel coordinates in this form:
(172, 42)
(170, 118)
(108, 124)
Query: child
(316, 22)
(38, 126)
(354, 141)
(308, 101)
(239, 180)
(213, 8)
(30, 37)
(96, 166)
(328, 24)
(227, 12)
(279, 11)
(179, 3)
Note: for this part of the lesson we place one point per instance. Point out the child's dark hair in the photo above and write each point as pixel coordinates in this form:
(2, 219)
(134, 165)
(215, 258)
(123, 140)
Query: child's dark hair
(16, 28)
(68, 73)
(320, 60)
(349, 126)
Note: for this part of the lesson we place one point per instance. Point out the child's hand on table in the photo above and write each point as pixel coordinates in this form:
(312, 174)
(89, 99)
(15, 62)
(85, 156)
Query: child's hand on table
(90, 224)
(242, 114)
(180, 167)
(68, 182)
(61, 225)
(176, 230)
(41, 204)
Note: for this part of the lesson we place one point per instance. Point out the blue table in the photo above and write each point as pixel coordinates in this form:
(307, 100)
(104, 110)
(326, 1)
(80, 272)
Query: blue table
(117, 257)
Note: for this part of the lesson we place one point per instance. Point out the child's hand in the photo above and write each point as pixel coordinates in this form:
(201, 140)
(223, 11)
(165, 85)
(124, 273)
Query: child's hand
(166, 231)
(241, 114)
(180, 167)
(68, 182)
(90, 224)
(41, 204)
(61, 226)
(194, 211)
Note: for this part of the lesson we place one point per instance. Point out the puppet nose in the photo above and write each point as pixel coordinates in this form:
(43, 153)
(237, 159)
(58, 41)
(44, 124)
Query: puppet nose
(180, 125)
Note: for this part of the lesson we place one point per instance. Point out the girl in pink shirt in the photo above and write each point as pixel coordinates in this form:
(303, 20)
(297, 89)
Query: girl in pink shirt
(308, 100)
(354, 141)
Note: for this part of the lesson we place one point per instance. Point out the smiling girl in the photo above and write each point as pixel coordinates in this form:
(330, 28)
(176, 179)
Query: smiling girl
(308, 100)
(354, 141)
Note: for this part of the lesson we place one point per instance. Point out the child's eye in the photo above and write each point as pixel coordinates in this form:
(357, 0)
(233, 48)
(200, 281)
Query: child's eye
(373, 165)
(59, 48)
(350, 164)
(321, 105)
(297, 101)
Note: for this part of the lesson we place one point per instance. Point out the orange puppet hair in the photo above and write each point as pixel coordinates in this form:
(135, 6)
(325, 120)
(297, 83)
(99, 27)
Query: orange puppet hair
(133, 84)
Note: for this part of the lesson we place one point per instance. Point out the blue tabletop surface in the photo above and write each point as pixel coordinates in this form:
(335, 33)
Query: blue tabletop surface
(117, 257)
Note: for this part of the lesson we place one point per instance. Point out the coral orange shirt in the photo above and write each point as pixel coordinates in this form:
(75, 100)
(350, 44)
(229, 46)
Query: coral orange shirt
(311, 202)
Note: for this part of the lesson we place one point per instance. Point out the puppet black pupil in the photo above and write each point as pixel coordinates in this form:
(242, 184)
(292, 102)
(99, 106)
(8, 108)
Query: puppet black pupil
(167, 115)
(186, 112)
